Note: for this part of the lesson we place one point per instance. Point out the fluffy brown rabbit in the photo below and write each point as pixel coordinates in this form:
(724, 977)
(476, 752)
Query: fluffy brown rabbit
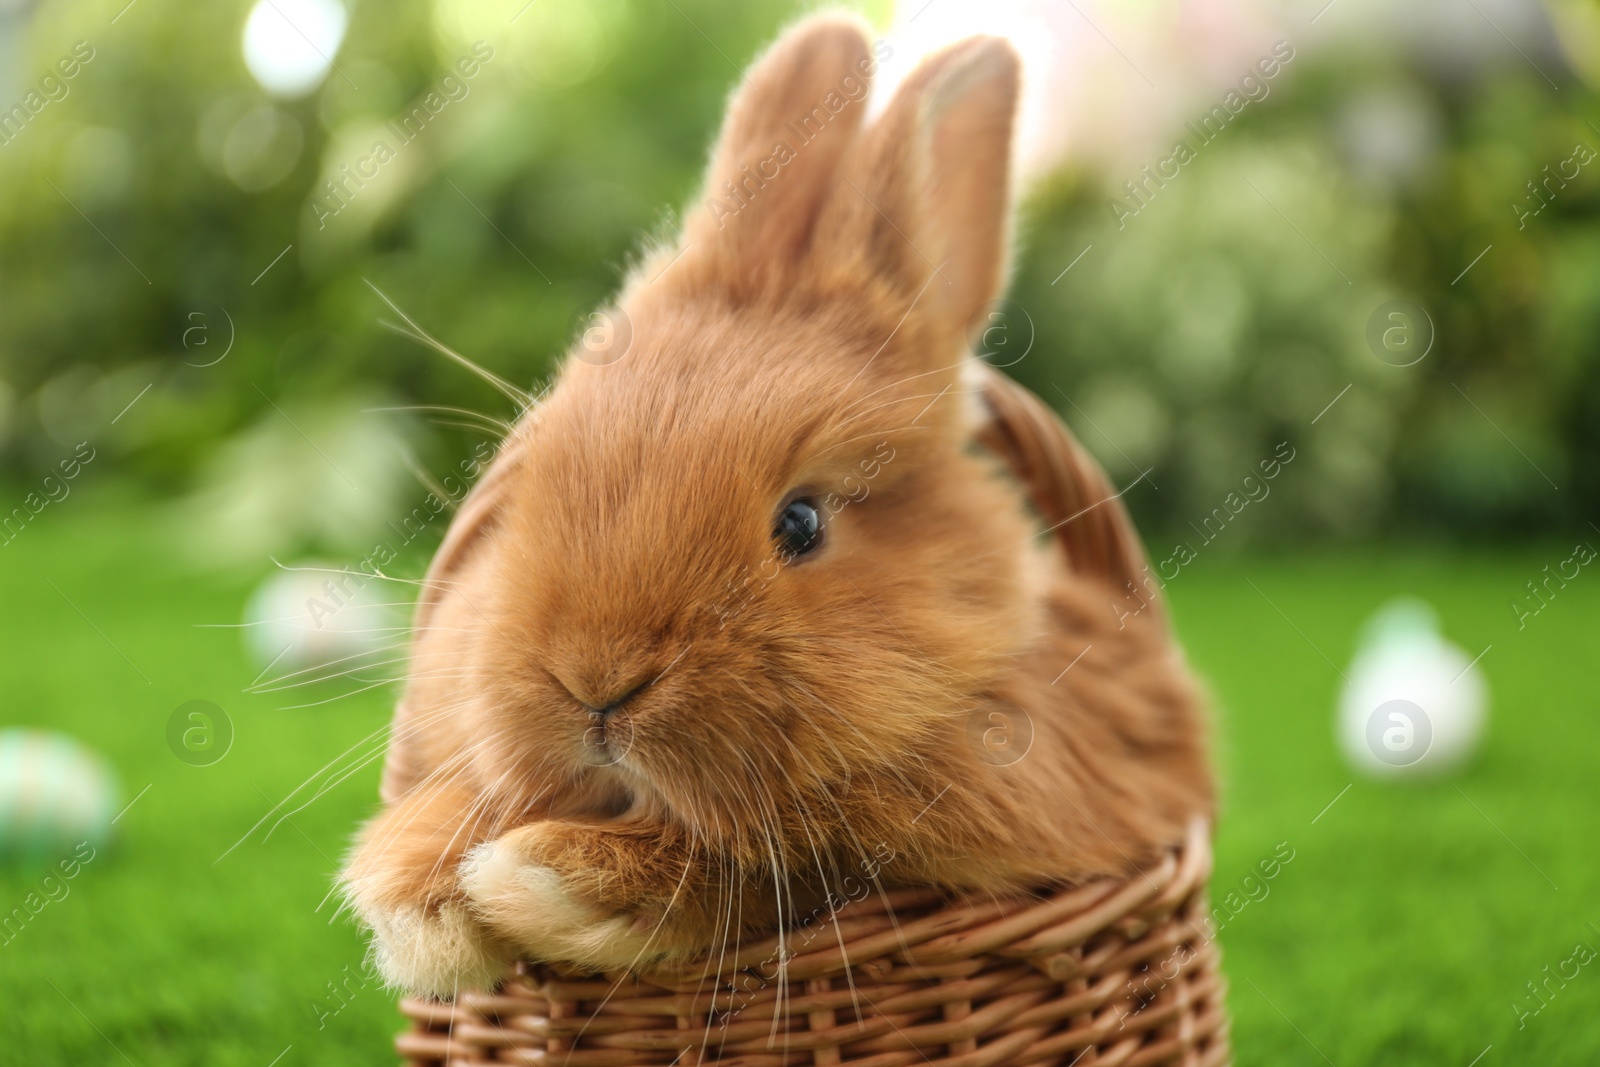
(736, 616)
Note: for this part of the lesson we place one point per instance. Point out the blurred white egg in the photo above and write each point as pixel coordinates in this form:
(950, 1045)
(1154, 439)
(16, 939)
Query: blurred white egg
(55, 793)
(316, 615)
(1413, 703)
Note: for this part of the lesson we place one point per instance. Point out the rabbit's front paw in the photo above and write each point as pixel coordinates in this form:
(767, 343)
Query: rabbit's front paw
(536, 887)
(434, 952)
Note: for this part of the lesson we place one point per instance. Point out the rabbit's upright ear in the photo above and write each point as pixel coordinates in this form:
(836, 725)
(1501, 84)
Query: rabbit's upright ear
(799, 108)
(926, 195)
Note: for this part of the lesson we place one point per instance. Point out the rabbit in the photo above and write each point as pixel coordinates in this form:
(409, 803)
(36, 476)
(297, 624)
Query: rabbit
(764, 602)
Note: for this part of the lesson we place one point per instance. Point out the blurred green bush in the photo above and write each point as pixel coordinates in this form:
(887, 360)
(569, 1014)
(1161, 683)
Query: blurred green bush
(166, 210)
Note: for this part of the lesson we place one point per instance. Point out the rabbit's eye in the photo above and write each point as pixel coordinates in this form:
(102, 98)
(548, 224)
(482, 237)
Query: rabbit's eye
(799, 529)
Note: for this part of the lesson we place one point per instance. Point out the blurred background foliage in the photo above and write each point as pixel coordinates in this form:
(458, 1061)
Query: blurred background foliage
(164, 211)
(1220, 326)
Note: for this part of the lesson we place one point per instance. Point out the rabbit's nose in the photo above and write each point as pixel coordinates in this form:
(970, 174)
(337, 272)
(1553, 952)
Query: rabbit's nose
(602, 707)
(601, 694)
(601, 713)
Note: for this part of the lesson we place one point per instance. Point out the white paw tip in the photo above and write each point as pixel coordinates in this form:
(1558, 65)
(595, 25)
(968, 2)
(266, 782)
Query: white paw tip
(434, 955)
(496, 878)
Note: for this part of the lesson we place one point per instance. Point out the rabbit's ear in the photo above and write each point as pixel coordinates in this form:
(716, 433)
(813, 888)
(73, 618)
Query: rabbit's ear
(926, 196)
(787, 127)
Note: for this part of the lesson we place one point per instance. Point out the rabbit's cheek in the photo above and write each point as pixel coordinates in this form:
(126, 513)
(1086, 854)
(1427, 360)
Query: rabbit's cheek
(435, 953)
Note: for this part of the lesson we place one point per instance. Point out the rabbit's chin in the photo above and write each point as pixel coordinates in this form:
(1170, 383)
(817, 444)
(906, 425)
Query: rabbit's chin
(533, 907)
(435, 954)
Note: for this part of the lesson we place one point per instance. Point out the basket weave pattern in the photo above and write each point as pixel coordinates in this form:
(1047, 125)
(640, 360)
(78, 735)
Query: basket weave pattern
(1108, 973)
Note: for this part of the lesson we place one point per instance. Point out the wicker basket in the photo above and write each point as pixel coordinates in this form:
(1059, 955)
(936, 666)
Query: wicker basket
(1107, 973)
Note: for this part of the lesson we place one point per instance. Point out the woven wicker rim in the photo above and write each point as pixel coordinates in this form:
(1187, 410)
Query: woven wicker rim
(1113, 972)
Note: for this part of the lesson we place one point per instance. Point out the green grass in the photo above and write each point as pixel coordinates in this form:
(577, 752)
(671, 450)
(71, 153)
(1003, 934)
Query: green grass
(1402, 932)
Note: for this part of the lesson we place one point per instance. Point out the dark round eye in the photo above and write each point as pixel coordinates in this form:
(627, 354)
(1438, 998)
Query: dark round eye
(799, 529)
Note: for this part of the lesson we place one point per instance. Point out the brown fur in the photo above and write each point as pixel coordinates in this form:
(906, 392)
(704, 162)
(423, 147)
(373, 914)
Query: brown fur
(800, 718)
